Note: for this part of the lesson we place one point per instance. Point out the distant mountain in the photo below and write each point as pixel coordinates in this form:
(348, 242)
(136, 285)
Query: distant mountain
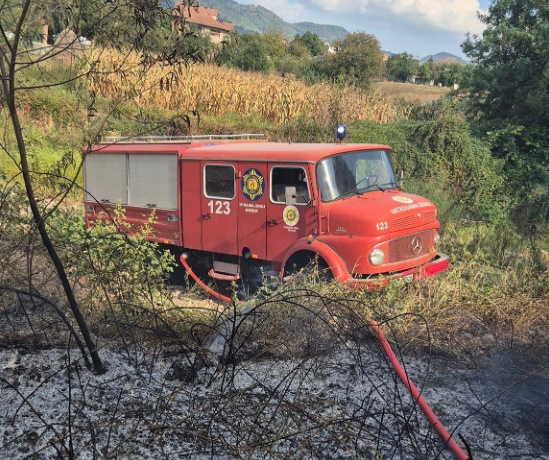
(250, 18)
(444, 57)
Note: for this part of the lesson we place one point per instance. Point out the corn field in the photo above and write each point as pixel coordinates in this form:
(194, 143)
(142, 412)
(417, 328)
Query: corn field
(216, 91)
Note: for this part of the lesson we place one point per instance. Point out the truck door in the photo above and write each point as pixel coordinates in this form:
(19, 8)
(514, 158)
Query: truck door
(219, 208)
(252, 208)
(287, 223)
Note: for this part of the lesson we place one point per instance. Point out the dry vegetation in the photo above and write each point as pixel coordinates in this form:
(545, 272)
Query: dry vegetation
(215, 91)
(410, 92)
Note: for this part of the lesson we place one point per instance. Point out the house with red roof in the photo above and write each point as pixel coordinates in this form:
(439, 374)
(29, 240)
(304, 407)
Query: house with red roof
(207, 20)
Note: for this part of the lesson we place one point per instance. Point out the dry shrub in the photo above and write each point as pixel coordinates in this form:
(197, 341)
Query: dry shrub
(470, 311)
(289, 325)
(467, 313)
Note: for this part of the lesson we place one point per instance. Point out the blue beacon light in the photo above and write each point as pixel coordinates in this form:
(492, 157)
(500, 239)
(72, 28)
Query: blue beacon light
(341, 131)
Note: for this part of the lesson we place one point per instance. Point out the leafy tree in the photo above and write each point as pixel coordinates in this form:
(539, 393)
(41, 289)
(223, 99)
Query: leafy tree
(508, 95)
(276, 43)
(249, 52)
(263, 52)
(290, 64)
(312, 42)
(280, 53)
(401, 67)
(357, 60)
(296, 60)
(192, 43)
(467, 72)
(449, 73)
(427, 69)
(511, 77)
(229, 49)
(298, 50)
(253, 54)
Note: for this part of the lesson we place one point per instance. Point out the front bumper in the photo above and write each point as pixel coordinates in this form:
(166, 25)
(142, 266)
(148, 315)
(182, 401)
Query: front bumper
(431, 268)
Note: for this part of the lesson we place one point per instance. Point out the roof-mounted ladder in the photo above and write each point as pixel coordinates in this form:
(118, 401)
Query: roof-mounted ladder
(178, 139)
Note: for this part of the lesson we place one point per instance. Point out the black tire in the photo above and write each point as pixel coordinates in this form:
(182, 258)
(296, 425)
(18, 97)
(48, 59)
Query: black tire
(310, 265)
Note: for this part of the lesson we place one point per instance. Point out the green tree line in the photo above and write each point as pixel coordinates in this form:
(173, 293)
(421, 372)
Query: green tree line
(402, 67)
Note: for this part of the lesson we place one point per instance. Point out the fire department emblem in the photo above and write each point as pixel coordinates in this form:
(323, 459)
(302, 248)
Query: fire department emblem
(291, 216)
(253, 184)
(403, 199)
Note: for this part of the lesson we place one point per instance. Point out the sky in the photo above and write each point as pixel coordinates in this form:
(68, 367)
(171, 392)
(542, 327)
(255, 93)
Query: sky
(419, 27)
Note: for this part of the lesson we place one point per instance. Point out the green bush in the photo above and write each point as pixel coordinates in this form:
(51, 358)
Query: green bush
(442, 157)
(112, 261)
(14, 217)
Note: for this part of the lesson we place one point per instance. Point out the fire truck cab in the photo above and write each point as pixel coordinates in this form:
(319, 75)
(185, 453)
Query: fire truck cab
(250, 208)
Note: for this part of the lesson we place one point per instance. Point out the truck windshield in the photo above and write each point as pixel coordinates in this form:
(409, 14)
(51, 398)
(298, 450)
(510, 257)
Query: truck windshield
(354, 173)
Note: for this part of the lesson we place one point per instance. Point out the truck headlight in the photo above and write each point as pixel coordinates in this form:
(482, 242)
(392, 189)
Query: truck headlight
(437, 239)
(376, 257)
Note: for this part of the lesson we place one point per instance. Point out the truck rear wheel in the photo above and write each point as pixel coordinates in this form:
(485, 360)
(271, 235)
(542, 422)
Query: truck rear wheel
(256, 277)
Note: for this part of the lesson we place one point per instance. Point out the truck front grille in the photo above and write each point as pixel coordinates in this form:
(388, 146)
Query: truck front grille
(410, 246)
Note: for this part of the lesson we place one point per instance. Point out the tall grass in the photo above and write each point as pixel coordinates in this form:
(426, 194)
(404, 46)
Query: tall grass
(216, 91)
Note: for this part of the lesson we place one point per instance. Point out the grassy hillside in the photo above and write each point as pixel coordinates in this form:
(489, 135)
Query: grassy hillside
(410, 92)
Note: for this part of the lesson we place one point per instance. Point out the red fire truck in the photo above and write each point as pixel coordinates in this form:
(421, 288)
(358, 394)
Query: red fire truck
(251, 208)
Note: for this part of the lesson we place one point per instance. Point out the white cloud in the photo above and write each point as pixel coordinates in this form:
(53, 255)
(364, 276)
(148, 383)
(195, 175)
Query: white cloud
(337, 5)
(453, 15)
(450, 15)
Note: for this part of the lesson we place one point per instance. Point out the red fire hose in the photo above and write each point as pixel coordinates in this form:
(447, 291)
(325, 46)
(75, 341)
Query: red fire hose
(203, 285)
(414, 392)
(416, 395)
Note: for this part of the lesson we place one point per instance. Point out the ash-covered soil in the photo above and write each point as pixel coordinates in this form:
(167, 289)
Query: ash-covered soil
(343, 403)
(321, 388)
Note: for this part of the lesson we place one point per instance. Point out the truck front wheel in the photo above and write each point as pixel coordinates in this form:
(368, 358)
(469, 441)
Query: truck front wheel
(310, 264)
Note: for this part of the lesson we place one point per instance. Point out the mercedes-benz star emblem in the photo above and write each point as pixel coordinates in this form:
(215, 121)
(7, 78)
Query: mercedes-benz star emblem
(416, 246)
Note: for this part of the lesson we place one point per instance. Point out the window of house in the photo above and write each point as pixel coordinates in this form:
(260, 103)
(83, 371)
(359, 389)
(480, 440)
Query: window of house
(219, 181)
(286, 176)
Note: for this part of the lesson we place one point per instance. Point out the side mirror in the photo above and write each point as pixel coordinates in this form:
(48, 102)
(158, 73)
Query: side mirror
(290, 195)
(401, 178)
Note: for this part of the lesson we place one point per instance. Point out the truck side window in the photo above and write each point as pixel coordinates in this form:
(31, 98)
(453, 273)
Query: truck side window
(284, 176)
(219, 181)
